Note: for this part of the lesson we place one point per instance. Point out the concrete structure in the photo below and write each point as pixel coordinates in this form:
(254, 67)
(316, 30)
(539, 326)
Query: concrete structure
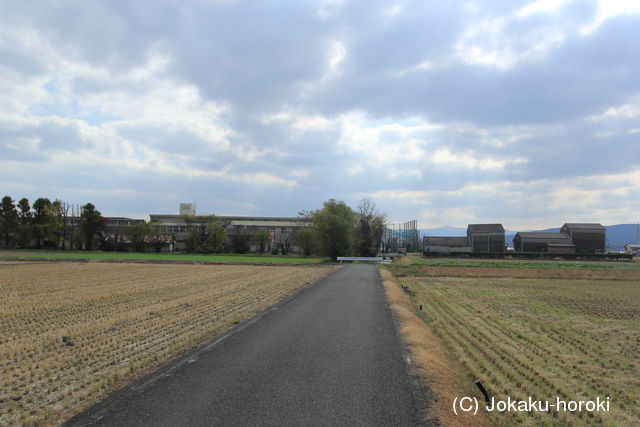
(188, 209)
(112, 223)
(588, 237)
(543, 242)
(486, 237)
(445, 245)
(632, 248)
(280, 229)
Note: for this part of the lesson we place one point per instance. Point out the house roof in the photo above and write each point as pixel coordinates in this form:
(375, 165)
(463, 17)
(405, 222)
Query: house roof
(584, 226)
(485, 228)
(541, 236)
(445, 241)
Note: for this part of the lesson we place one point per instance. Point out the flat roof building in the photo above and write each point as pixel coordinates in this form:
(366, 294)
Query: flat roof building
(279, 228)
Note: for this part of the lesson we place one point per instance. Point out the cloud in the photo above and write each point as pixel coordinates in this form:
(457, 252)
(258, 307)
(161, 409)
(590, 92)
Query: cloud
(448, 112)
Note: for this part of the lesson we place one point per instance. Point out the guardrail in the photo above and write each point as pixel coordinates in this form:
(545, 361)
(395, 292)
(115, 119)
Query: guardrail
(378, 259)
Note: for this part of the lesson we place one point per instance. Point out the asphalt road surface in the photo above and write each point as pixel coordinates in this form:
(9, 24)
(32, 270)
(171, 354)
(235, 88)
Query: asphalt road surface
(329, 355)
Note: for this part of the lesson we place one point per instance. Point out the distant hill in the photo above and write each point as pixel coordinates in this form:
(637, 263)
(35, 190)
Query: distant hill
(444, 231)
(618, 235)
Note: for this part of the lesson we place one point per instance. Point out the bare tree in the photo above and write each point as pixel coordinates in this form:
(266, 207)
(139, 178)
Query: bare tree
(369, 228)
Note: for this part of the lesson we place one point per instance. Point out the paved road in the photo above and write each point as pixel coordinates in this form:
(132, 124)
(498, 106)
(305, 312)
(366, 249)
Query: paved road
(328, 356)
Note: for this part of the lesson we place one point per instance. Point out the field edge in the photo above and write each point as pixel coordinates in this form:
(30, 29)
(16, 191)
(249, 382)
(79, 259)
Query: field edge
(430, 360)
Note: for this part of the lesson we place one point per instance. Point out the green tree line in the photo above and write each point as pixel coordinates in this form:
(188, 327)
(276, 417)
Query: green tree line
(335, 230)
(339, 230)
(47, 225)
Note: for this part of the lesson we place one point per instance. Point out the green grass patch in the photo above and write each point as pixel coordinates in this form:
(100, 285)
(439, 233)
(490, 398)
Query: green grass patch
(136, 256)
(412, 262)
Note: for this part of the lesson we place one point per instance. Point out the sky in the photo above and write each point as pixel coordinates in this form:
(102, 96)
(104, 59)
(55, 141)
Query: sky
(525, 113)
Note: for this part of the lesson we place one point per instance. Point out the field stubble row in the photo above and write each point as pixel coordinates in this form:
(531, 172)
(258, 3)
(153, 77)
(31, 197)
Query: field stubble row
(121, 320)
(541, 337)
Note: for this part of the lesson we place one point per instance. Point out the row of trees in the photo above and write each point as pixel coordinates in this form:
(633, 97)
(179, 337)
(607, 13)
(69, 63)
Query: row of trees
(47, 224)
(341, 231)
(336, 230)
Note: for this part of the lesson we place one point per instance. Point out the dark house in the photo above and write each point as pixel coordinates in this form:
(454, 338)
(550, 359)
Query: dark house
(445, 245)
(588, 237)
(486, 237)
(543, 242)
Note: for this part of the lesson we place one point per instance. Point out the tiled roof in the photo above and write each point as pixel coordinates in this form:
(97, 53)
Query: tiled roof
(485, 228)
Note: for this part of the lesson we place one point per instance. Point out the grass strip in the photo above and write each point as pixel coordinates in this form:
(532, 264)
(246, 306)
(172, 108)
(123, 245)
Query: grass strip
(136, 256)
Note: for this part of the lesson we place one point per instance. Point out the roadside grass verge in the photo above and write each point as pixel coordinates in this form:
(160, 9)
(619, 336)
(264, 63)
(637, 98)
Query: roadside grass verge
(137, 256)
(431, 359)
(72, 333)
(542, 337)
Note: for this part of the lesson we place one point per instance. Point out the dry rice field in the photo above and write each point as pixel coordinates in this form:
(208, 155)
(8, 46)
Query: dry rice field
(119, 322)
(572, 334)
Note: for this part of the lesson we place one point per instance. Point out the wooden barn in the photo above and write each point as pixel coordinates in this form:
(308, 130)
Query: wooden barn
(486, 237)
(558, 243)
(445, 245)
(588, 237)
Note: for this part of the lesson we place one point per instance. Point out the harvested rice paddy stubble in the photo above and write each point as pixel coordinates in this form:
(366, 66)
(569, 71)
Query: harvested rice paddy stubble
(121, 320)
(567, 333)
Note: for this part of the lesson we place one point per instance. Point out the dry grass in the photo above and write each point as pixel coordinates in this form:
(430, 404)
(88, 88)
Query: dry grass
(431, 359)
(574, 336)
(124, 320)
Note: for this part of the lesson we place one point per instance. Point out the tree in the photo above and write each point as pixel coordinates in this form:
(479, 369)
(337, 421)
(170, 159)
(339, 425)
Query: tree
(41, 220)
(285, 242)
(262, 238)
(8, 219)
(56, 226)
(138, 235)
(193, 241)
(91, 223)
(334, 225)
(369, 229)
(239, 240)
(158, 239)
(216, 237)
(24, 219)
(25, 211)
(206, 238)
(307, 239)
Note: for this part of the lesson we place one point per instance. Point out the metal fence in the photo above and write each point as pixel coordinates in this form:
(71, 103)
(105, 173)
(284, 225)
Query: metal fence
(401, 237)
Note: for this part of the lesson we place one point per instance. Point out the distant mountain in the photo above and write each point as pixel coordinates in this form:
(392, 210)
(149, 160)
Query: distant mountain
(618, 235)
(445, 231)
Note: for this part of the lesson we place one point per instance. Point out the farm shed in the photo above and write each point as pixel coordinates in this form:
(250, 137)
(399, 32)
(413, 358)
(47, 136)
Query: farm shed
(543, 242)
(486, 237)
(445, 245)
(588, 237)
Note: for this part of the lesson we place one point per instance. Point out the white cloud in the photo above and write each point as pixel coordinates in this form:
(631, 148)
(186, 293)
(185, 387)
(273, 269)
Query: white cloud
(461, 109)
(608, 9)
